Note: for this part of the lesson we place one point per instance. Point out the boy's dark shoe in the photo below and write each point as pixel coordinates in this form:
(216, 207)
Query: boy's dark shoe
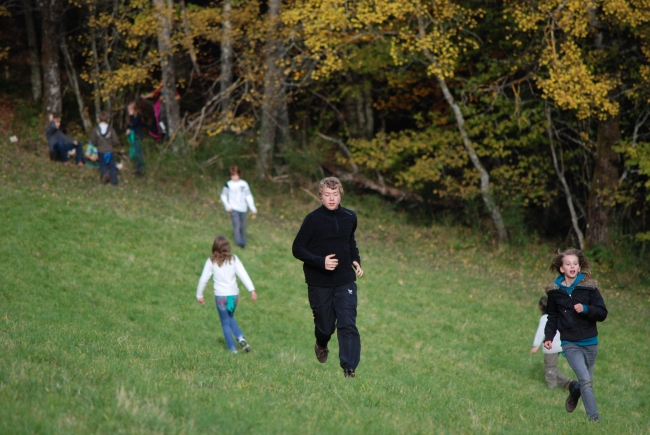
(348, 373)
(574, 396)
(321, 353)
(595, 420)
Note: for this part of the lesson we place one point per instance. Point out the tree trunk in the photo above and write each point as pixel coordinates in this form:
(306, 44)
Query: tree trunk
(188, 38)
(74, 83)
(226, 62)
(34, 61)
(603, 185)
(360, 116)
(275, 118)
(560, 173)
(51, 15)
(164, 12)
(486, 194)
(97, 99)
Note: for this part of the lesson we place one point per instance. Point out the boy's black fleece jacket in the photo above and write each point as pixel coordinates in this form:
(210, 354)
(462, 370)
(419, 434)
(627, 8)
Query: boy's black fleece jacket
(574, 326)
(325, 232)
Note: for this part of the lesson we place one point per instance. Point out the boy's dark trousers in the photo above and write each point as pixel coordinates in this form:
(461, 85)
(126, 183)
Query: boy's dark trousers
(336, 308)
(107, 168)
(62, 149)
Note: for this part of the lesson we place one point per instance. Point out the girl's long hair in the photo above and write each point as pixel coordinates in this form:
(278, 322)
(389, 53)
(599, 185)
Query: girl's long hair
(221, 251)
(556, 263)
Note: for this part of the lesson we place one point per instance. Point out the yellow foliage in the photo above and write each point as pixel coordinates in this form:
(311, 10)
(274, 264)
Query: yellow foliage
(572, 85)
(327, 27)
(570, 49)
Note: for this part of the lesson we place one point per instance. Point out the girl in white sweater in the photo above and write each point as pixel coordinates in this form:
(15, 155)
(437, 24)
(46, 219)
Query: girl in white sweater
(222, 267)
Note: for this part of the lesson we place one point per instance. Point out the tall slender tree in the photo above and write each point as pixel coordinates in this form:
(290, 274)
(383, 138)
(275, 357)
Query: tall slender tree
(164, 10)
(226, 61)
(34, 58)
(275, 118)
(51, 13)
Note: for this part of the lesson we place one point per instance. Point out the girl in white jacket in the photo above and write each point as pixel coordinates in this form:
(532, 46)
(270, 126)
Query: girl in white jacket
(223, 267)
(237, 198)
(554, 377)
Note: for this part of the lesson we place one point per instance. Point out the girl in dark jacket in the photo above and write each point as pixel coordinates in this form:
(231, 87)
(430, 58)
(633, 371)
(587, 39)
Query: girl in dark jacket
(574, 307)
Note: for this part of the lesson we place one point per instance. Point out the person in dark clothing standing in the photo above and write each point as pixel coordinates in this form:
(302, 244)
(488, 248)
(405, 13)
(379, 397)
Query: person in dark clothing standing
(325, 244)
(134, 135)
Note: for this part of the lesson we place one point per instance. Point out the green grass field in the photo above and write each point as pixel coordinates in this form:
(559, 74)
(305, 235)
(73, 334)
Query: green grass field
(100, 332)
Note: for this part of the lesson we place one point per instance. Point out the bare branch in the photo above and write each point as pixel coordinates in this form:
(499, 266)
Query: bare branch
(345, 149)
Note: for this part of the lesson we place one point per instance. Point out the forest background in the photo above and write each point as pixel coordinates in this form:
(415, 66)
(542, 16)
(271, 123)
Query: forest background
(520, 119)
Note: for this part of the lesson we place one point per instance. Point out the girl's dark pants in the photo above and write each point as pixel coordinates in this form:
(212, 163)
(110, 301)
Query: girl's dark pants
(109, 168)
(336, 308)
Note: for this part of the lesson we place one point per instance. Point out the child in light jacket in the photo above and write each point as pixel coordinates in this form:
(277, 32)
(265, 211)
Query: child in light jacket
(223, 267)
(105, 139)
(554, 377)
(237, 198)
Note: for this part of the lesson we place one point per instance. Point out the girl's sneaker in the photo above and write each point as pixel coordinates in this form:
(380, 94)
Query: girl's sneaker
(244, 345)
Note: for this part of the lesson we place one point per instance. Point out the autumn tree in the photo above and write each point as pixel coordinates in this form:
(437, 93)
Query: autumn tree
(430, 33)
(590, 58)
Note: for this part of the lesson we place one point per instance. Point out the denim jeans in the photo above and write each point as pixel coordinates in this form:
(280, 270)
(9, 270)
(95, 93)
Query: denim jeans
(239, 226)
(107, 168)
(62, 150)
(582, 360)
(336, 308)
(228, 322)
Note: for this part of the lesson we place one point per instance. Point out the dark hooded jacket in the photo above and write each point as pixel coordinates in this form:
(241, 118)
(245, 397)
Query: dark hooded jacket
(55, 135)
(106, 142)
(574, 326)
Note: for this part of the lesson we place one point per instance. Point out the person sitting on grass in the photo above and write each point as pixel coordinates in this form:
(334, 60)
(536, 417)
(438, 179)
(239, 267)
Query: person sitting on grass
(60, 144)
(574, 306)
(105, 139)
(91, 156)
(223, 267)
(554, 377)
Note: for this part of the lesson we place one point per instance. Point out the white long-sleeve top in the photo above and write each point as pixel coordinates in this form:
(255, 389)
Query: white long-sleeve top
(225, 282)
(236, 195)
(539, 337)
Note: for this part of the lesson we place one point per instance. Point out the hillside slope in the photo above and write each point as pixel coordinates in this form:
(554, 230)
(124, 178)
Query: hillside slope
(100, 331)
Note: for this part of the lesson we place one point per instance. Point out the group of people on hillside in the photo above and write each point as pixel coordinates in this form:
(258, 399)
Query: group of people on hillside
(326, 245)
(101, 149)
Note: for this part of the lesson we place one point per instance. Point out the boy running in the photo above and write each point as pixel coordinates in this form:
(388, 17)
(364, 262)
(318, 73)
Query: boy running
(325, 244)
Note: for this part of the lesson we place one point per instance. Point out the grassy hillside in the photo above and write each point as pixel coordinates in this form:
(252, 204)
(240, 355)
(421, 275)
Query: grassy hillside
(100, 331)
